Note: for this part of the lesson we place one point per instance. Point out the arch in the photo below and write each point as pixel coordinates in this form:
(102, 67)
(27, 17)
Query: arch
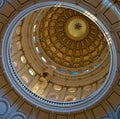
(18, 115)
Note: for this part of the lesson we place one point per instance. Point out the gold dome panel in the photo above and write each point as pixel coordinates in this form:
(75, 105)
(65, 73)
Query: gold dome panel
(70, 39)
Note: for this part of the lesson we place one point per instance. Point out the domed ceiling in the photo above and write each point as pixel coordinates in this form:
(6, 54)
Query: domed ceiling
(69, 38)
(60, 54)
(34, 85)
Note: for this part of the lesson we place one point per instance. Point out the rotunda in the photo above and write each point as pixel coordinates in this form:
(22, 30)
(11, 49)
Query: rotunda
(62, 58)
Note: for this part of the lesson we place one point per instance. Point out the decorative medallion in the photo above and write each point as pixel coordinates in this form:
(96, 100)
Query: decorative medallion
(77, 28)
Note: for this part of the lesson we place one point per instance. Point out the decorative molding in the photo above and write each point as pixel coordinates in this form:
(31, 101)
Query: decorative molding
(2, 3)
(118, 112)
(4, 104)
(18, 115)
(106, 118)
